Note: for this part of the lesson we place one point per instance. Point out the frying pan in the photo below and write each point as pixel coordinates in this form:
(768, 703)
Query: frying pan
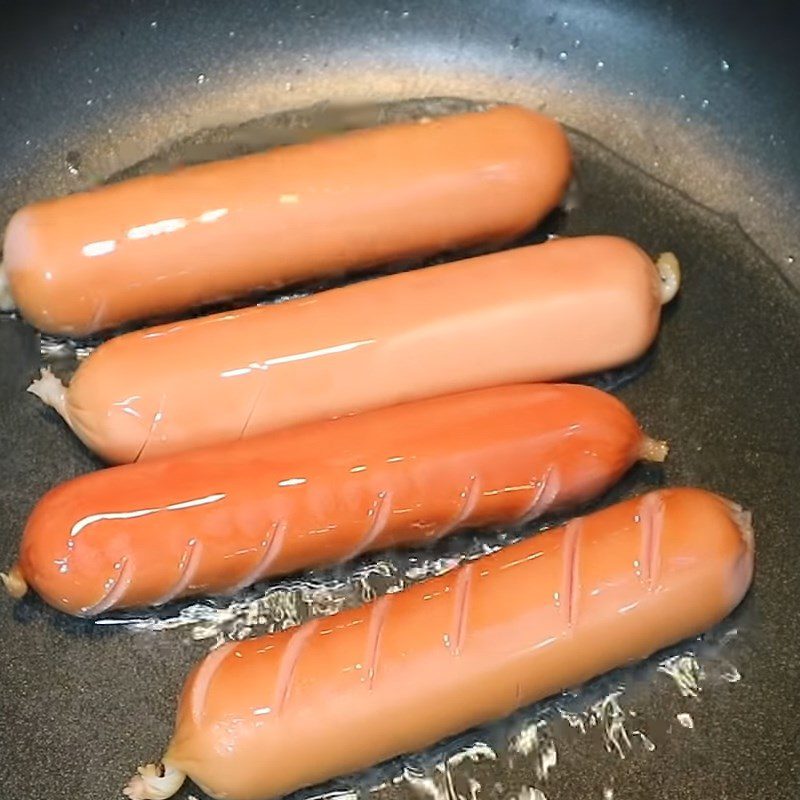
(690, 128)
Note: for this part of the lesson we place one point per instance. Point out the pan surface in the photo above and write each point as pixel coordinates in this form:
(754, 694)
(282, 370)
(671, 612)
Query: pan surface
(685, 127)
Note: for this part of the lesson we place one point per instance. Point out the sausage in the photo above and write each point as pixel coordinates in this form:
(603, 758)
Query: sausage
(220, 518)
(164, 243)
(540, 313)
(261, 718)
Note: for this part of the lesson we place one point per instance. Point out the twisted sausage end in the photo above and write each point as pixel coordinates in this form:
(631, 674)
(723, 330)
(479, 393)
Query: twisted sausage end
(154, 782)
(14, 582)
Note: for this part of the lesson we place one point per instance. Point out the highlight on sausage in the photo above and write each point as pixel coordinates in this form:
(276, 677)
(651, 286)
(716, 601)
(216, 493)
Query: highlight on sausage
(218, 519)
(540, 313)
(164, 243)
(261, 718)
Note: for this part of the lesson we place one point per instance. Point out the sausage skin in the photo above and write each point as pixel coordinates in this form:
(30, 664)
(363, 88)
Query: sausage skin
(163, 243)
(220, 518)
(539, 313)
(261, 718)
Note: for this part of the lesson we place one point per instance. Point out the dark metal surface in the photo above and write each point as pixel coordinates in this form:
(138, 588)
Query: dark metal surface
(81, 705)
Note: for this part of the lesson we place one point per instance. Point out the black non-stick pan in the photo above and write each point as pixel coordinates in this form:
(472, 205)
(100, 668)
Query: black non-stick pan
(686, 125)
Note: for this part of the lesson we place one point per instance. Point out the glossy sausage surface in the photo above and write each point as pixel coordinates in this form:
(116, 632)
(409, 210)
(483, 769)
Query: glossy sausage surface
(260, 718)
(163, 243)
(220, 518)
(539, 313)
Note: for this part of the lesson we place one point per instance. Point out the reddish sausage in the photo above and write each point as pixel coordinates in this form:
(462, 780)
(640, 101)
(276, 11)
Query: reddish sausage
(261, 718)
(163, 243)
(220, 518)
(540, 313)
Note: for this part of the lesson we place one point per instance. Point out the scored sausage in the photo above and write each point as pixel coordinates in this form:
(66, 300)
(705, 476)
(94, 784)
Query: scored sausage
(220, 518)
(540, 313)
(164, 243)
(261, 718)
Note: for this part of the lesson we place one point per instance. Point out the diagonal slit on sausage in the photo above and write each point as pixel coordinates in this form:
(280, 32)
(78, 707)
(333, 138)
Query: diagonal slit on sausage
(519, 640)
(216, 519)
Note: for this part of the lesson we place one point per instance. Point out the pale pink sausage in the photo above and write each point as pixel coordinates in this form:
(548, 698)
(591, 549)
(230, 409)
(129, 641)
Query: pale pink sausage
(540, 313)
(163, 243)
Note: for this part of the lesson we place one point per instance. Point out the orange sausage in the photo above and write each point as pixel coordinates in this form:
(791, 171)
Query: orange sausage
(261, 718)
(217, 519)
(164, 243)
(540, 313)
